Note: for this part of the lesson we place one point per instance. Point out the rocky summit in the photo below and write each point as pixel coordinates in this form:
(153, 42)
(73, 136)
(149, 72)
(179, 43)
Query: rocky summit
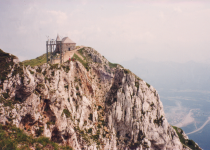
(88, 103)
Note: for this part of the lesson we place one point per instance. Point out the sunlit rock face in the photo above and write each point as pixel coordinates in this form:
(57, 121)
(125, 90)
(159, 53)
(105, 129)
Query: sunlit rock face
(87, 104)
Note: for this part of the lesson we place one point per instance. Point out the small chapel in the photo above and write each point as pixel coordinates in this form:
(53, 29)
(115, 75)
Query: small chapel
(56, 49)
(66, 44)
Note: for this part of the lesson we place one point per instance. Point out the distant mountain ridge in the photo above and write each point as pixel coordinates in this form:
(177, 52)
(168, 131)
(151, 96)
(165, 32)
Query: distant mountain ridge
(171, 75)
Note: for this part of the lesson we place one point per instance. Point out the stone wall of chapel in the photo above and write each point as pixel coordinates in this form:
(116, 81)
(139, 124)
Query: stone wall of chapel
(66, 46)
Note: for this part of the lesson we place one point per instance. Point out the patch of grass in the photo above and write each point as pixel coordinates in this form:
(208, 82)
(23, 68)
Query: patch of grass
(112, 65)
(36, 62)
(39, 70)
(190, 143)
(8, 103)
(46, 78)
(67, 113)
(12, 137)
(18, 70)
(148, 85)
(83, 134)
(65, 68)
(81, 51)
(127, 71)
(54, 66)
(5, 95)
(41, 85)
(50, 123)
(39, 131)
(6, 61)
(31, 72)
(83, 62)
(77, 88)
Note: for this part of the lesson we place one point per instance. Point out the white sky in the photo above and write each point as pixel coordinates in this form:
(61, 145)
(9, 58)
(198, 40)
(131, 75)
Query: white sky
(176, 30)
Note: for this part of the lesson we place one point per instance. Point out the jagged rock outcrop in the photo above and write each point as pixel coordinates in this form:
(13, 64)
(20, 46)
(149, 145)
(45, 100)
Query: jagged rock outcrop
(89, 104)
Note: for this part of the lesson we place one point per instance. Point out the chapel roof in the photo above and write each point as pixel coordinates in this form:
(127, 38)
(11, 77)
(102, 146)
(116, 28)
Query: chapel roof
(67, 40)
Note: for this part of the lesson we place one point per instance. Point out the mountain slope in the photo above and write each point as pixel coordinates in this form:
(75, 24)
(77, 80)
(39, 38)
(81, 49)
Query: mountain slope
(89, 103)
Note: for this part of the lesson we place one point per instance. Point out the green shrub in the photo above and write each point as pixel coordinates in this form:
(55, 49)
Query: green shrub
(52, 73)
(50, 123)
(43, 140)
(111, 65)
(77, 88)
(78, 94)
(99, 107)
(148, 85)
(39, 70)
(6, 61)
(31, 72)
(159, 121)
(18, 70)
(54, 66)
(5, 95)
(67, 113)
(41, 85)
(90, 117)
(44, 72)
(90, 130)
(66, 86)
(127, 71)
(8, 103)
(39, 131)
(66, 68)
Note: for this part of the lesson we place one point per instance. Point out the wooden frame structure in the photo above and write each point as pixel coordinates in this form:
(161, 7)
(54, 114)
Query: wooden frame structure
(50, 48)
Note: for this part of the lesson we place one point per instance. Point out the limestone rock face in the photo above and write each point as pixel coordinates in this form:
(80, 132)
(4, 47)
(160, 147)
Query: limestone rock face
(89, 104)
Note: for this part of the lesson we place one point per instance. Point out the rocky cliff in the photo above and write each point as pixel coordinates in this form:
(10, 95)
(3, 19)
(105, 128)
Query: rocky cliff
(88, 103)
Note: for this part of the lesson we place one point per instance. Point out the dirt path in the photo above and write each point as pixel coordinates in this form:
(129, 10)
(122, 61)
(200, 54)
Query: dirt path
(69, 54)
(78, 54)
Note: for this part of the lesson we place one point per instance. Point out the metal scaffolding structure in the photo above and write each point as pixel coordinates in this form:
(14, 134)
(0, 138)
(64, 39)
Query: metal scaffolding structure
(51, 46)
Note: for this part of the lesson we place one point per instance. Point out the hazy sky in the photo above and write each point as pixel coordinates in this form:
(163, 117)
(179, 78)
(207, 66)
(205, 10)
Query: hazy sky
(176, 30)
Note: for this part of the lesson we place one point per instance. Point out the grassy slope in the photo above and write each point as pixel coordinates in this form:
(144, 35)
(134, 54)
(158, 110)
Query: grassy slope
(190, 143)
(14, 138)
(6, 60)
(42, 59)
(36, 62)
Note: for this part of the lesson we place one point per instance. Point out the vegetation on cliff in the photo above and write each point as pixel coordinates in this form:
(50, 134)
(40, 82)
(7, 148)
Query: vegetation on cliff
(14, 138)
(189, 143)
(6, 61)
(36, 62)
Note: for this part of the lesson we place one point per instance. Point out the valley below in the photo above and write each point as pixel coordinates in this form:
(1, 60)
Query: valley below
(190, 111)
